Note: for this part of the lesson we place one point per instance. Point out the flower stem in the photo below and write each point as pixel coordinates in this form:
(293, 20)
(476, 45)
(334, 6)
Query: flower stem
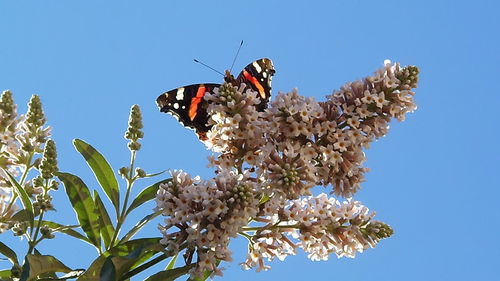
(123, 214)
(33, 241)
(28, 167)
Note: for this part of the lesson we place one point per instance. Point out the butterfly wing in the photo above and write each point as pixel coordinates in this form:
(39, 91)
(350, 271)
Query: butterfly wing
(187, 105)
(258, 76)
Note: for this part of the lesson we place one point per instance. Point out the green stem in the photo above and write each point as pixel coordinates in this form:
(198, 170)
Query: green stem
(123, 214)
(130, 182)
(33, 240)
(249, 237)
(37, 241)
(28, 167)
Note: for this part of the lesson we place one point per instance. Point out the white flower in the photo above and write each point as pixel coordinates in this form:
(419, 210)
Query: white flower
(380, 100)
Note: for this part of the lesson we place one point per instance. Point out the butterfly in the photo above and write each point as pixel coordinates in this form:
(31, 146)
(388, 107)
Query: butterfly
(187, 105)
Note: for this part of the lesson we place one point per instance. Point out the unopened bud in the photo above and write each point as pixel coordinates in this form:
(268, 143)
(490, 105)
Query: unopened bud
(140, 172)
(124, 171)
(134, 130)
(47, 232)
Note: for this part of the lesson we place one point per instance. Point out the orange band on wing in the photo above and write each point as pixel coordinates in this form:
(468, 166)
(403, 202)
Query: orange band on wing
(255, 82)
(195, 101)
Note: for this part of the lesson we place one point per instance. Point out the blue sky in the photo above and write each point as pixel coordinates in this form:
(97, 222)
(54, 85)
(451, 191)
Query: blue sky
(434, 178)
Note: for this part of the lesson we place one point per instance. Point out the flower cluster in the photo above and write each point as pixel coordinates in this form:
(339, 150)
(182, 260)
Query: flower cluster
(277, 156)
(206, 214)
(22, 139)
(8, 147)
(322, 225)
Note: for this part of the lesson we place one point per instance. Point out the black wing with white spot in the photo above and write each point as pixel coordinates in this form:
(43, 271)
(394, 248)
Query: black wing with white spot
(188, 106)
(258, 75)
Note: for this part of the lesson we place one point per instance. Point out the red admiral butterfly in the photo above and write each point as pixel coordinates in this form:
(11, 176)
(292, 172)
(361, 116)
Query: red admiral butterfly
(189, 107)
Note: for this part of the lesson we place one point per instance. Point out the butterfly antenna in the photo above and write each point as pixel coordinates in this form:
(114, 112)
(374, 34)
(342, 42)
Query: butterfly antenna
(205, 65)
(237, 53)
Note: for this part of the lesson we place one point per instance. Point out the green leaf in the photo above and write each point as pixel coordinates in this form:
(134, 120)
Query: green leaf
(25, 200)
(171, 263)
(102, 171)
(22, 216)
(155, 174)
(47, 276)
(5, 274)
(138, 226)
(25, 272)
(146, 194)
(108, 271)
(107, 229)
(139, 250)
(44, 264)
(123, 264)
(147, 248)
(86, 211)
(9, 253)
(67, 229)
(171, 274)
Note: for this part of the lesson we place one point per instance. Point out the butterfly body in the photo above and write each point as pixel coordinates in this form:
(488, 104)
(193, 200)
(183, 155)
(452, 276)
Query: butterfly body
(189, 107)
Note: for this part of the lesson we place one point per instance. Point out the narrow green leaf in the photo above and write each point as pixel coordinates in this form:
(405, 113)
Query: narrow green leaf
(138, 226)
(155, 174)
(22, 216)
(67, 229)
(83, 205)
(149, 246)
(8, 253)
(102, 171)
(143, 249)
(40, 265)
(108, 271)
(137, 257)
(25, 200)
(170, 275)
(25, 272)
(5, 274)
(171, 263)
(107, 229)
(123, 264)
(93, 272)
(145, 195)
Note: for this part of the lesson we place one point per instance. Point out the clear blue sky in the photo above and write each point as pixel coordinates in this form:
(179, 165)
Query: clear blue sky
(434, 178)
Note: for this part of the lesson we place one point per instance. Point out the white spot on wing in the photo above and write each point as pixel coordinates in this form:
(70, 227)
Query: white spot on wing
(176, 105)
(180, 94)
(264, 74)
(257, 66)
